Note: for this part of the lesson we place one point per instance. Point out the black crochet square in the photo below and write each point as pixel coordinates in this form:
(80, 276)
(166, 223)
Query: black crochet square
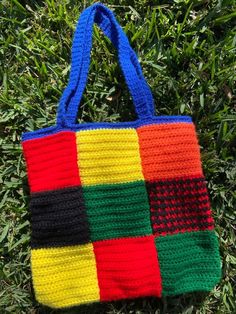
(58, 218)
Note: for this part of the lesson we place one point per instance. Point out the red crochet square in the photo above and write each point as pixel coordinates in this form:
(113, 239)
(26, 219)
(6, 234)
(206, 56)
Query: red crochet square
(127, 268)
(52, 162)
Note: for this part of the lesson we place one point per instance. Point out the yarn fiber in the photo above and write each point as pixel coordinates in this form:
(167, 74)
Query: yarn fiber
(127, 221)
(118, 210)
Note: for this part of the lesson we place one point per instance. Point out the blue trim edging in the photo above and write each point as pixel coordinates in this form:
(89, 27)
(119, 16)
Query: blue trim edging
(104, 125)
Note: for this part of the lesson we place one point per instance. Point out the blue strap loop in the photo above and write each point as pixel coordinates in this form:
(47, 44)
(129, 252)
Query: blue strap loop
(82, 44)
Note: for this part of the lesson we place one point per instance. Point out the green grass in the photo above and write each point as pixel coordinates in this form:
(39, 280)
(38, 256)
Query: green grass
(187, 51)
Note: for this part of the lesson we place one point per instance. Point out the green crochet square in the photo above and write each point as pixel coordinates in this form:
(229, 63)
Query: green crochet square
(117, 210)
(189, 262)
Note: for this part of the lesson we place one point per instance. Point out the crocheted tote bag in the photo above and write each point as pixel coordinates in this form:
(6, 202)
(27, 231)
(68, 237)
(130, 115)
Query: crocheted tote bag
(119, 210)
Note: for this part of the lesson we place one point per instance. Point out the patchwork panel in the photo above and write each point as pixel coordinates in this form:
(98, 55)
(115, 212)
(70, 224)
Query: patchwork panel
(179, 205)
(169, 151)
(58, 218)
(117, 210)
(127, 268)
(103, 220)
(189, 262)
(52, 162)
(108, 156)
(65, 276)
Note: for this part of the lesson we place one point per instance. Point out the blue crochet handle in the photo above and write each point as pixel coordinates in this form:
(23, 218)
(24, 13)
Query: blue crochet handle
(81, 48)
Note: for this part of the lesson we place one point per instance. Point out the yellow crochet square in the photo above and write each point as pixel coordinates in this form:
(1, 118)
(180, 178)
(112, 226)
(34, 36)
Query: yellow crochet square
(65, 276)
(108, 156)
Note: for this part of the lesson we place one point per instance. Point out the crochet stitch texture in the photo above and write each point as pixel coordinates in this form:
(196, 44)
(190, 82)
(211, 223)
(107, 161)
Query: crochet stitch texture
(109, 231)
(118, 210)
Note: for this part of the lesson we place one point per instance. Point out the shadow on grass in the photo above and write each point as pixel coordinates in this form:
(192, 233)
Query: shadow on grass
(189, 303)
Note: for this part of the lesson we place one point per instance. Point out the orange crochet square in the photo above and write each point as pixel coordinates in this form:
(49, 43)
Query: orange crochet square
(169, 150)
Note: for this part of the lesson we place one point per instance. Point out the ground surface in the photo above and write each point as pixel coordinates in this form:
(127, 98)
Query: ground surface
(187, 51)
